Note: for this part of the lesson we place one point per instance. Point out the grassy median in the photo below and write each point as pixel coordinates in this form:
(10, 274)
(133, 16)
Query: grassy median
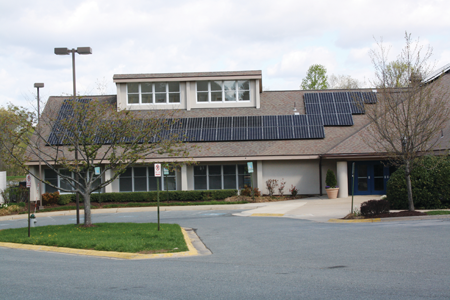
(121, 237)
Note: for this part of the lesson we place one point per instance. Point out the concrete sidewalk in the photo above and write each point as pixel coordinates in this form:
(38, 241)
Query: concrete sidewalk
(319, 209)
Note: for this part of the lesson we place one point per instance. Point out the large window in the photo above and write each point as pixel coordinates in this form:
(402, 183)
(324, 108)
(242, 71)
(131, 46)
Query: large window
(153, 93)
(58, 180)
(218, 177)
(141, 179)
(223, 91)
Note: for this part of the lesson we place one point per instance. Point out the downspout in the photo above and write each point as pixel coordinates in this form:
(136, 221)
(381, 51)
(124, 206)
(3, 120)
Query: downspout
(320, 175)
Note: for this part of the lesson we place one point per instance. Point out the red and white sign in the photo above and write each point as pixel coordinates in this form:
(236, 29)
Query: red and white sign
(28, 180)
(157, 170)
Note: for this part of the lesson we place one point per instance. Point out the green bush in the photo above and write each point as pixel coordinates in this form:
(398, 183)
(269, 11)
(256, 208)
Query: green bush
(330, 180)
(152, 196)
(430, 185)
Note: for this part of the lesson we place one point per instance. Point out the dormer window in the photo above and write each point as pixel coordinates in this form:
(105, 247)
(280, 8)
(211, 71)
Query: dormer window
(153, 93)
(223, 91)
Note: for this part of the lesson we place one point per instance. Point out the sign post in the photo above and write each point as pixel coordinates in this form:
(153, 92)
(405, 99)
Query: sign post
(28, 179)
(157, 175)
(250, 170)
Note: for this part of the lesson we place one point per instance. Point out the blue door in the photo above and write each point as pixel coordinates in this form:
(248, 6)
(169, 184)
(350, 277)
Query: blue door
(371, 178)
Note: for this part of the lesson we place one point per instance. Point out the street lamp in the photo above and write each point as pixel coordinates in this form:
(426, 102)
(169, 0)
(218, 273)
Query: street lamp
(37, 86)
(82, 51)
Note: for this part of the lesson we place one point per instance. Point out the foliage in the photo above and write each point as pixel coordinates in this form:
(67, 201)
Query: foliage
(316, 78)
(247, 191)
(330, 180)
(281, 186)
(50, 198)
(121, 237)
(16, 120)
(406, 122)
(182, 196)
(293, 190)
(102, 137)
(15, 194)
(343, 82)
(374, 207)
(430, 185)
(271, 184)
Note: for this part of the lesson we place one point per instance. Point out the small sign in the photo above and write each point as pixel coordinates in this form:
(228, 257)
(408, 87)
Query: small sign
(97, 170)
(250, 166)
(28, 180)
(157, 170)
(166, 171)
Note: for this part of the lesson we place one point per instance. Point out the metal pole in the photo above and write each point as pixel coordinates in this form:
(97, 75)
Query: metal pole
(353, 184)
(76, 145)
(39, 141)
(29, 208)
(157, 197)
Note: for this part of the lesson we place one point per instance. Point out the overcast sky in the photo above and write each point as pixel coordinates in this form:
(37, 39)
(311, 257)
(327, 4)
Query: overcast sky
(282, 38)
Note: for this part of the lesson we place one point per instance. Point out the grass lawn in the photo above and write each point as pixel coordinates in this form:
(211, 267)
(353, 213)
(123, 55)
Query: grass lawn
(121, 237)
(438, 212)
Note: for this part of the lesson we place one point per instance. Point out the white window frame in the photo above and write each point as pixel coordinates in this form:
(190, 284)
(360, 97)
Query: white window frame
(221, 176)
(223, 92)
(162, 183)
(139, 93)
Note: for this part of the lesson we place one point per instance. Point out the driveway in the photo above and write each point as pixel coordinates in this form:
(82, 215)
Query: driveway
(252, 258)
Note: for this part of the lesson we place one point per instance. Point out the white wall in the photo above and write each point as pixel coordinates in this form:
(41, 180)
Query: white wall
(303, 174)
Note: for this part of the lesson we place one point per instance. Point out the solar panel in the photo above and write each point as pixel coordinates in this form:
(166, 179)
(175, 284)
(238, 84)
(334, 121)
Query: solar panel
(301, 132)
(316, 132)
(330, 120)
(345, 119)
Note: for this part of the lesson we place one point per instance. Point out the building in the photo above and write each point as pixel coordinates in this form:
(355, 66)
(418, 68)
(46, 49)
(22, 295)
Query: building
(294, 136)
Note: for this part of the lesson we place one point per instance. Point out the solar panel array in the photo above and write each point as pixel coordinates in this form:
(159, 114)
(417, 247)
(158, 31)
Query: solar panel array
(337, 108)
(59, 133)
(322, 109)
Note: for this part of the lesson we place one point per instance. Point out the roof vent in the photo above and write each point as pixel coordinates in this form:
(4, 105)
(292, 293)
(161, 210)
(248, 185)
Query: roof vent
(295, 110)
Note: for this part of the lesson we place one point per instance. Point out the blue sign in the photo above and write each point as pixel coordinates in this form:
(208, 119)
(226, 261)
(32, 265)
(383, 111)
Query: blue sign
(250, 166)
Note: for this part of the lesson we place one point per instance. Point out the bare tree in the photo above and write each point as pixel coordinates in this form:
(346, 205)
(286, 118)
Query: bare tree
(86, 135)
(343, 82)
(406, 122)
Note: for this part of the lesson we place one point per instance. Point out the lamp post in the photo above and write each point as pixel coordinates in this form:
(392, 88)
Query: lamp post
(82, 51)
(37, 86)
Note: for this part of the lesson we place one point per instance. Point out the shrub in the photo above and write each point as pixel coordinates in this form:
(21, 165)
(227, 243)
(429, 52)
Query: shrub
(271, 184)
(281, 187)
(293, 190)
(247, 191)
(330, 180)
(15, 194)
(50, 198)
(374, 207)
(152, 196)
(430, 185)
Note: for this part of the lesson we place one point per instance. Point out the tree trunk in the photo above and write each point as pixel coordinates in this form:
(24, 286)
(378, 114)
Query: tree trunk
(87, 209)
(409, 187)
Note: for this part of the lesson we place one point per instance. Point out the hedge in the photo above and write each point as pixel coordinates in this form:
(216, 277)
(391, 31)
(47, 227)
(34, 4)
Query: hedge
(430, 185)
(151, 196)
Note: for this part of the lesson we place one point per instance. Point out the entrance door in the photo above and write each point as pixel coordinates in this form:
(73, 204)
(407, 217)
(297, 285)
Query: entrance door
(370, 178)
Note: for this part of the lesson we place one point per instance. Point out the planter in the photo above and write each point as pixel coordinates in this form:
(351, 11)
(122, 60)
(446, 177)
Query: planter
(332, 193)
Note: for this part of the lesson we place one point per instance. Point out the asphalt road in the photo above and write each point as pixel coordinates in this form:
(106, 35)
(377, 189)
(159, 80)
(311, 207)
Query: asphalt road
(253, 258)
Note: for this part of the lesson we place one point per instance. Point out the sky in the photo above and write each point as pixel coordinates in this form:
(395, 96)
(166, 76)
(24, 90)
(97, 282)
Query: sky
(282, 38)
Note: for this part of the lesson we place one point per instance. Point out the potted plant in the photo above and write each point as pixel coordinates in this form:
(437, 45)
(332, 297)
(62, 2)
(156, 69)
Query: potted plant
(331, 185)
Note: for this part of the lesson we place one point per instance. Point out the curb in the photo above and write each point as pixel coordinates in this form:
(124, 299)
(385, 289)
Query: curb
(188, 234)
(398, 219)
(354, 221)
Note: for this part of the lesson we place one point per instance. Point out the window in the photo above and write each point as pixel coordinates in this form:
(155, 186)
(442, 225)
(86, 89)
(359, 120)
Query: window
(153, 93)
(217, 177)
(57, 180)
(223, 91)
(142, 179)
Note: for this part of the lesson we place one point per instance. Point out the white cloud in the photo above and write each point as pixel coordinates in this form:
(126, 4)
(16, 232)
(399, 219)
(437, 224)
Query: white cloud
(282, 38)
